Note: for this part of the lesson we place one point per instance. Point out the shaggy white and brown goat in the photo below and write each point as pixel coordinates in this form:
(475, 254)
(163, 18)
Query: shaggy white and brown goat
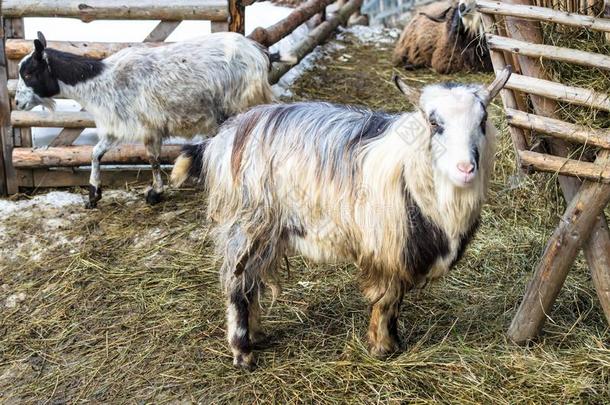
(446, 36)
(398, 195)
(149, 94)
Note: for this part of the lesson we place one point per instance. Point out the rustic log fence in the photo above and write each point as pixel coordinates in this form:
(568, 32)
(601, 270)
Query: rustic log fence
(59, 163)
(514, 36)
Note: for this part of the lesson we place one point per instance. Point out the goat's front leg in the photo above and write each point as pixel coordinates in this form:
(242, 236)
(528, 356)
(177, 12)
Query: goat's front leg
(386, 297)
(153, 150)
(95, 180)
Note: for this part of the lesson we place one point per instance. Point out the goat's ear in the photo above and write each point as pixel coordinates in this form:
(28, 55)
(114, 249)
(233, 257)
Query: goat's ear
(412, 94)
(501, 78)
(441, 17)
(42, 39)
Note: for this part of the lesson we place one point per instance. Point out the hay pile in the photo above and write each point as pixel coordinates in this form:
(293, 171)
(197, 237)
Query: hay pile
(131, 312)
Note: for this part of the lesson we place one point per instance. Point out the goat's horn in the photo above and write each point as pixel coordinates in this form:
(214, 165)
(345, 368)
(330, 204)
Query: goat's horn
(501, 78)
(411, 93)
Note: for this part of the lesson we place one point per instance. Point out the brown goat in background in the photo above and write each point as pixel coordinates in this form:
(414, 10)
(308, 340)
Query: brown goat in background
(446, 36)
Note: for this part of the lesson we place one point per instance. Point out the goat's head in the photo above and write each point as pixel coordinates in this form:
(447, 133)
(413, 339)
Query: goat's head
(37, 83)
(456, 118)
(470, 17)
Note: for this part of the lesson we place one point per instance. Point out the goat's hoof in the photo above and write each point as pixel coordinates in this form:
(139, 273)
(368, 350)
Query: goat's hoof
(259, 340)
(153, 197)
(382, 352)
(95, 194)
(244, 361)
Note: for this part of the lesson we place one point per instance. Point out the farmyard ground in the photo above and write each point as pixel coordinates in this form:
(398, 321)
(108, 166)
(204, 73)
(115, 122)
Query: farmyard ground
(122, 304)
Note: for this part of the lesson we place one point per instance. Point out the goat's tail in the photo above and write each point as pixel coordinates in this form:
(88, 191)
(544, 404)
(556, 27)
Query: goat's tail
(189, 164)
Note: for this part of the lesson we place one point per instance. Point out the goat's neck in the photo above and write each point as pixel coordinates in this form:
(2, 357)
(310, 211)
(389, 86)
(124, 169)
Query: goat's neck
(87, 93)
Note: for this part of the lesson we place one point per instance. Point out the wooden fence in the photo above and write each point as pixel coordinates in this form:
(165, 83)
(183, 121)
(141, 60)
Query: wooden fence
(514, 36)
(58, 165)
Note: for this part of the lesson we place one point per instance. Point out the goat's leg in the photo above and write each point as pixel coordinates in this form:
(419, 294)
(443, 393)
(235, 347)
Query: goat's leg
(383, 328)
(242, 320)
(153, 150)
(95, 180)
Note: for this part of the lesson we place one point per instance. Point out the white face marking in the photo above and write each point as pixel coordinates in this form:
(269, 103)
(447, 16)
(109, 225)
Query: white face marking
(459, 140)
(26, 98)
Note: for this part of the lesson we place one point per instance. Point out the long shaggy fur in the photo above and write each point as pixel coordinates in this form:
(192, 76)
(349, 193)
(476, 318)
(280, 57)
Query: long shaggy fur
(449, 45)
(336, 183)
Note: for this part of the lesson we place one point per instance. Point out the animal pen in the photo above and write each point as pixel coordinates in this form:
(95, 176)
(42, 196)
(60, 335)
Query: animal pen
(61, 163)
(532, 105)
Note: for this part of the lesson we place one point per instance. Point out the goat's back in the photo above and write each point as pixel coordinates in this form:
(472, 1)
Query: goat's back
(188, 87)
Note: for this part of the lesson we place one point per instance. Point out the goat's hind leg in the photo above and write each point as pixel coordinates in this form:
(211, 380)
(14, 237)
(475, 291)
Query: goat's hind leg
(95, 180)
(243, 319)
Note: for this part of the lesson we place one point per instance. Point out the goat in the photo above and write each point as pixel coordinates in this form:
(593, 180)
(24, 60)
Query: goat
(398, 195)
(446, 37)
(148, 94)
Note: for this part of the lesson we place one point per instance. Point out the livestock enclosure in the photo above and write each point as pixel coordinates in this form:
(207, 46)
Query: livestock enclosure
(62, 163)
(540, 110)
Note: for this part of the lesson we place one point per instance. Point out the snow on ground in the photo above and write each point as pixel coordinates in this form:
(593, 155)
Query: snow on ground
(29, 228)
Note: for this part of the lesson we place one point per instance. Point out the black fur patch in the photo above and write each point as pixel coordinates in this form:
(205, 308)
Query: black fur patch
(239, 299)
(195, 152)
(427, 241)
(373, 124)
(465, 240)
(43, 70)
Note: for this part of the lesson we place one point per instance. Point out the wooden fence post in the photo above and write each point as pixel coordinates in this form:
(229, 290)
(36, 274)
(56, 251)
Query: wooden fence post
(8, 180)
(237, 16)
(542, 291)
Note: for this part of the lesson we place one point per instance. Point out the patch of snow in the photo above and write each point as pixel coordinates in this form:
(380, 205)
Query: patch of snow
(371, 35)
(13, 300)
(53, 199)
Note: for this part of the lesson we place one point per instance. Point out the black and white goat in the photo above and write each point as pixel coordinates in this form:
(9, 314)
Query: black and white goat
(148, 94)
(399, 195)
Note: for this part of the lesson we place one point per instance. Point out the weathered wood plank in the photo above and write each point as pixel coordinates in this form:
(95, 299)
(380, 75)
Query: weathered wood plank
(559, 92)
(564, 166)
(548, 51)
(237, 16)
(315, 37)
(273, 34)
(89, 10)
(61, 119)
(543, 14)
(558, 128)
(18, 48)
(70, 156)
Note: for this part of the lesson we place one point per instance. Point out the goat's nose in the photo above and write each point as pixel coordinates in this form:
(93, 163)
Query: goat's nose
(462, 8)
(465, 167)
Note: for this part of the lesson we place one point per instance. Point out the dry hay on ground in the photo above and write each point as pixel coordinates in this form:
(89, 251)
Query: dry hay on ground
(130, 310)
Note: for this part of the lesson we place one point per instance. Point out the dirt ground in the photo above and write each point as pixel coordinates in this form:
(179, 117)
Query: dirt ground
(122, 304)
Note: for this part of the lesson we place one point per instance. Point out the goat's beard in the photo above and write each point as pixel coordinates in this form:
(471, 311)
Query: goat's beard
(46, 102)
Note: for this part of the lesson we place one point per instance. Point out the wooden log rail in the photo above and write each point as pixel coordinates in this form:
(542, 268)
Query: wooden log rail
(72, 156)
(568, 167)
(315, 37)
(543, 14)
(89, 10)
(559, 129)
(273, 34)
(583, 58)
(559, 92)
